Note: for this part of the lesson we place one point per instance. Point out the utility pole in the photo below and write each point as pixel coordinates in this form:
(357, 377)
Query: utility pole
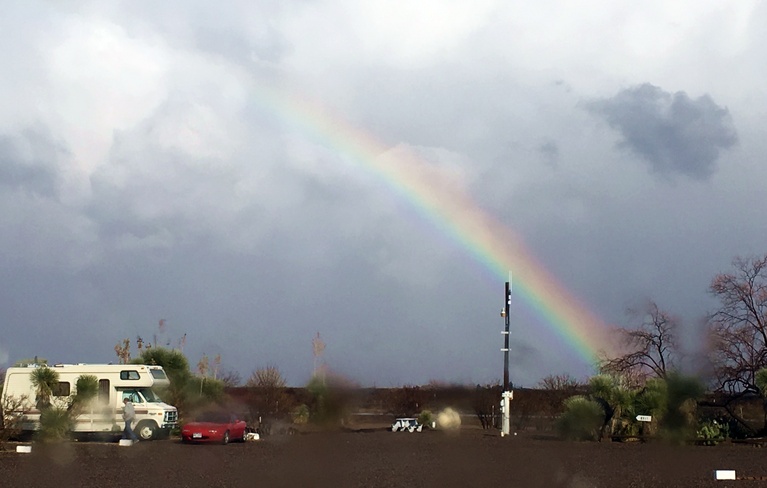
(507, 394)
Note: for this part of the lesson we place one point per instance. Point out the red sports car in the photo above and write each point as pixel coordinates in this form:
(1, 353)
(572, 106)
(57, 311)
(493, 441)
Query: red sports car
(219, 427)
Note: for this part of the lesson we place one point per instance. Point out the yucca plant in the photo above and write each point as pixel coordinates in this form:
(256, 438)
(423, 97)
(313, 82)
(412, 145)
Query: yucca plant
(616, 399)
(44, 379)
(87, 387)
(55, 424)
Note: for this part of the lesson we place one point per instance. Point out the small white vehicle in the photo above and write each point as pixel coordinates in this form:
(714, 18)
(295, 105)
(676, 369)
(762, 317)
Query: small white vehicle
(406, 424)
(103, 414)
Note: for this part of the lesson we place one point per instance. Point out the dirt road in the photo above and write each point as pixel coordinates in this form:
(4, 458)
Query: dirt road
(383, 459)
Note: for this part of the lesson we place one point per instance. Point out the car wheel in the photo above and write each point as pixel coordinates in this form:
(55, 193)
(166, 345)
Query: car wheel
(146, 430)
(225, 439)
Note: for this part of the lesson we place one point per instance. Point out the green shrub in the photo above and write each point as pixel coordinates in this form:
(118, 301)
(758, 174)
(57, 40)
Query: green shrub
(581, 420)
(711, 432)
(426, 418)
(328, 400)
(55, 424)
(300, 414)
(10, 418)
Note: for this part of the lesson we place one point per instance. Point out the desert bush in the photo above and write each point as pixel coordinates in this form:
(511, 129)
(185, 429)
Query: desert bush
(680, 418)
(711, 432)
(581, 420)
(300, 414)
(328, 399)
(11, 418)
(320, 408)
(55, 424)
(485, 403)
(426, 418)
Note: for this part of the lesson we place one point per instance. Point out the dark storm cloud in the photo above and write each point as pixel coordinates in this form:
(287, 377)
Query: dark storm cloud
(550, 152)
(671, 131)
(29, 162)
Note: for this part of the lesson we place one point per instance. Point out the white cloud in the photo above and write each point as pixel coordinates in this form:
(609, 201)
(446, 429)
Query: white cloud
(398, 33)
(101, 80)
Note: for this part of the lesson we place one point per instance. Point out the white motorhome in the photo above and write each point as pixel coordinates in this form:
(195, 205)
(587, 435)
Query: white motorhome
(104, 413)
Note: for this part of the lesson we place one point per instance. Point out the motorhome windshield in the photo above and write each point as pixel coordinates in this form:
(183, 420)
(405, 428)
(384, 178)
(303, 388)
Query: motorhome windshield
(149, 395)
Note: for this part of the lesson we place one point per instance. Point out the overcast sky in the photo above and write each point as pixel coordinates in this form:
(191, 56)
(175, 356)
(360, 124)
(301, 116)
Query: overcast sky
(149, 169)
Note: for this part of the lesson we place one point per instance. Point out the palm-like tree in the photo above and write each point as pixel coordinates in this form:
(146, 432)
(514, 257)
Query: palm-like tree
(87, 388)
(615, 398)
(44, 379)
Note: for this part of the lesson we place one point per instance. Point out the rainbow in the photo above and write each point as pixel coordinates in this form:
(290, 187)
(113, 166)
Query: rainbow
(441, 200)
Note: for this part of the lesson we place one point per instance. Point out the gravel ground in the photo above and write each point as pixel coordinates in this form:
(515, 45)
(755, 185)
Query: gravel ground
(470, 457)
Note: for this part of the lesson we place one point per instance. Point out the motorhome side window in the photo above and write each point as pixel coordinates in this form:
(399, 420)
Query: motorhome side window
(60, 389)
(129, 375)
(158, 374)
(104, 390)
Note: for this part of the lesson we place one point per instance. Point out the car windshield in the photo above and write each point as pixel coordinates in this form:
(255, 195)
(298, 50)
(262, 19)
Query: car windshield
(149, 395)
(213, 417)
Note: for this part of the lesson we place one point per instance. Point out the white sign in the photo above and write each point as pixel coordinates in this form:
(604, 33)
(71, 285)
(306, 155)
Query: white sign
(644, 418)
(725, 474)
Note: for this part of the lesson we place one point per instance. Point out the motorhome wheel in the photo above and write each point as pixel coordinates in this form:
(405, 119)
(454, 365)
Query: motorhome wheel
(146, 430)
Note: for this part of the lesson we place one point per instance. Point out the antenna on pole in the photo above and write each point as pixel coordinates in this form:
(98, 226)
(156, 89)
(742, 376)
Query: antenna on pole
(507, 394)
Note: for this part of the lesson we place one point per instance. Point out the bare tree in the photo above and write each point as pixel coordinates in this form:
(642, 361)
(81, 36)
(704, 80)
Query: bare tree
(231, 378)
(122, 349)
(486, 404)
(739, 327)
(267, 377)
(268, 396)
(649, 350)
(738, 330)
(560, 382)
(557, 389)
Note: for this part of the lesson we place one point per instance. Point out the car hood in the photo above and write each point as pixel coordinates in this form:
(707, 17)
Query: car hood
(204, 426)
